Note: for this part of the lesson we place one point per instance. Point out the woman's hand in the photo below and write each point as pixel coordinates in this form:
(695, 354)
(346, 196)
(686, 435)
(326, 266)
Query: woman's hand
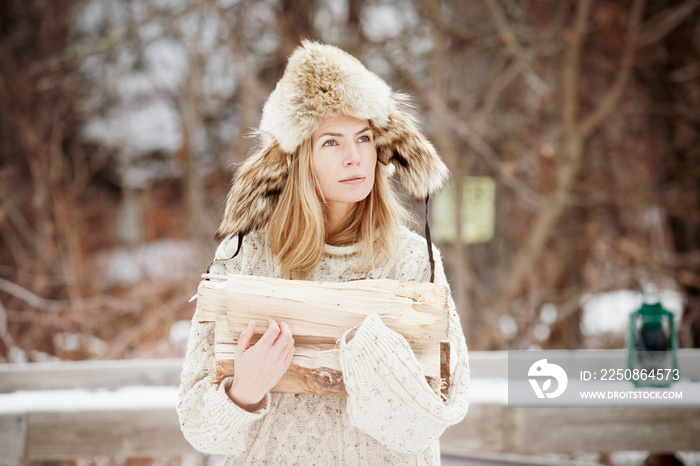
(258, 368)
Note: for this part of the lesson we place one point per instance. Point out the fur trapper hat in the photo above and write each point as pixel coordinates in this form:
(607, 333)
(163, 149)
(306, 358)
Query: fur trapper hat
(319, 81)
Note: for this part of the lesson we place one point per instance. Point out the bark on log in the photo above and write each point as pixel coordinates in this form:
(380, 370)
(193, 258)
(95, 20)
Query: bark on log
(318, 314)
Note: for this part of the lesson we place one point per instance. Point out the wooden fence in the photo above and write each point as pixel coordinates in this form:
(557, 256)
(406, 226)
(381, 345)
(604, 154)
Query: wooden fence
(36, 425)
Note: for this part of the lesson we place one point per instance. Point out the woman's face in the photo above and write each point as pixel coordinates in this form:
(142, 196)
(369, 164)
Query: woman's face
(343, 158)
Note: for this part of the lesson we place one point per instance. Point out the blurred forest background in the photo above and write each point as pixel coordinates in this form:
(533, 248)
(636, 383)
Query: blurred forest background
(121, 123)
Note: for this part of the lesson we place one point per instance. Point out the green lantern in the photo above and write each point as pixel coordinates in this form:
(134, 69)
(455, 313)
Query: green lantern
(652, 345)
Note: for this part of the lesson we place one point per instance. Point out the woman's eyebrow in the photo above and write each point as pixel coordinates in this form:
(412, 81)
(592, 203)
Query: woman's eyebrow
(339, 135)
(335, 135)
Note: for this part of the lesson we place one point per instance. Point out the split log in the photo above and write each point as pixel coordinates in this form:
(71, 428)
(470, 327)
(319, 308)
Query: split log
(318, 314)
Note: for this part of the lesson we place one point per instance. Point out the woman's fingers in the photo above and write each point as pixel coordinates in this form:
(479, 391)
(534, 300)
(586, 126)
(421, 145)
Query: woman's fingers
(277, 339)
(285, 335)
(270, 335)
(286, 341)
(260, 367)
(244, 339)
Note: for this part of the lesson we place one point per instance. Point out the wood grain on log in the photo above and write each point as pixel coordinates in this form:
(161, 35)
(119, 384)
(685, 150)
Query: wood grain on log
(318, 314)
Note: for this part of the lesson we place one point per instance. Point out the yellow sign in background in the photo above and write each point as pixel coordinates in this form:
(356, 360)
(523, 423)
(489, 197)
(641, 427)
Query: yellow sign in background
(477, 211)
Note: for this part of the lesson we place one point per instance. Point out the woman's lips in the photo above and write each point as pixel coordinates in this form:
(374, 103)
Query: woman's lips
(353, 180)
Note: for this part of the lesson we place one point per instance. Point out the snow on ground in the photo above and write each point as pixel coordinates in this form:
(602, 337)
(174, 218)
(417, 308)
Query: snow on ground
(489, 390)
(140, 397)
(165, 259)
(483, 391)
(88, 400)
(609, 312)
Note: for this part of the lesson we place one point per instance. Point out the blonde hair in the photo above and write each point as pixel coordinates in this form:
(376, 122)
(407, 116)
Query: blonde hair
(297, 229)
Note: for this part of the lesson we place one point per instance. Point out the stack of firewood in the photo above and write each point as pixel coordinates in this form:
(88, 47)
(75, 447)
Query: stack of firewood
(318, 315)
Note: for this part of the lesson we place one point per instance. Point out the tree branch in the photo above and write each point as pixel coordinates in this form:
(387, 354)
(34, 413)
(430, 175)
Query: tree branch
(660, 25)
(607, 104)
(571, 66)
(51, 305)
(514, 47)
(550, 211)
(481, 147)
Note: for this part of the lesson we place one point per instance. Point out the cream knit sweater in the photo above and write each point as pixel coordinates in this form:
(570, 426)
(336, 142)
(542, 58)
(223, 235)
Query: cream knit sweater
(391, 415)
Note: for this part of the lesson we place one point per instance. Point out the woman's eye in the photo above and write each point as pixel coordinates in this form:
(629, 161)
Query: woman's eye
(364, 139)
(330, 143)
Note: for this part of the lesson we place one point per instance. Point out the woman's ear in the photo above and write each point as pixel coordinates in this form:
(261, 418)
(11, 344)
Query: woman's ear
(255, 189)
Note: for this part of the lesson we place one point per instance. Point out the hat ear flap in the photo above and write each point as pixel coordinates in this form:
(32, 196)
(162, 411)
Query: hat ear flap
(418, 166)
(255, 189)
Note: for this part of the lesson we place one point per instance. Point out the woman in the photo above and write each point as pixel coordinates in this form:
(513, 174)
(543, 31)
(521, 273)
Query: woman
(313, 203)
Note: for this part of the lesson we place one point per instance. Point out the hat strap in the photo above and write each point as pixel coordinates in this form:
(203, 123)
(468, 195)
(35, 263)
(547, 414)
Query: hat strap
(430, 243)
(238, 249)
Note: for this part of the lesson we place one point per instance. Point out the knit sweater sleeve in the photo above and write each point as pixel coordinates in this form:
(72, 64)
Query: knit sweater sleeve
(388, 396)
(209, 420)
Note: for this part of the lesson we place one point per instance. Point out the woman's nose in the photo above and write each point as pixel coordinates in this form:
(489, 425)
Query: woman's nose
(352, 156)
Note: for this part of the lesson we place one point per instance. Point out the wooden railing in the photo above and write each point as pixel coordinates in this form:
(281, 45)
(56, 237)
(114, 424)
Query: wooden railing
(72, 410)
